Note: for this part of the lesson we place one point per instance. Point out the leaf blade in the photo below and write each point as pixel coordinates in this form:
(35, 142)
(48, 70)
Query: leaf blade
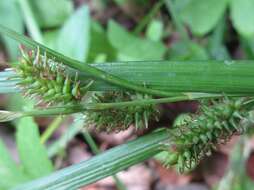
(32, 154)
(103, 165)
(9, 171)
(74, 36)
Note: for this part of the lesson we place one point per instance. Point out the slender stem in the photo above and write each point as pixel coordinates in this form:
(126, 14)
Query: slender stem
(91, 141)
(92, 144)
(51, 129)
(29, 16)
(102, 106)
(117, 105)
(73, 129)
(141, 25)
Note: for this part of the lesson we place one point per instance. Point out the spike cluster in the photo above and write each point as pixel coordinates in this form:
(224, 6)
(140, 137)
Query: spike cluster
(196, 136)
(44, 78)
(117, 119)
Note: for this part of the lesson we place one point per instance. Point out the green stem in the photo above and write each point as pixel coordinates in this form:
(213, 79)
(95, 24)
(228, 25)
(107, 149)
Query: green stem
(29, 16)
(91, 142)
(117, 105)
(51, 129)
(141, 25)
(73, 129)
(96, 150)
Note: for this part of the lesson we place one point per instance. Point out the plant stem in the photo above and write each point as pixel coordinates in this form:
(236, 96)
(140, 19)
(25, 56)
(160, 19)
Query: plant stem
(29, 16)
(51, 129)
(73, 129)
(91, 142)
(96, 150)
(103, 165)
(102, 106)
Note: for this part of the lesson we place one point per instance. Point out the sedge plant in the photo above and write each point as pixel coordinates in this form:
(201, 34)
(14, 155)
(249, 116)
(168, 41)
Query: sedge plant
(112, 100)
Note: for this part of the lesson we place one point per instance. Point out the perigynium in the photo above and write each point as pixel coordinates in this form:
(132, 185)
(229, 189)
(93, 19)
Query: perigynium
(195, 136)
(47, 80)
(121, 118)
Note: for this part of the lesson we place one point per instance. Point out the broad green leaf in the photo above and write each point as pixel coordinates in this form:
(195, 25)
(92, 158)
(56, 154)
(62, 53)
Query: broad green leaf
(32, 153)
(11, 17)
(74, 37)
(99, 44)
(190, 51)
(10, 174)
(131, 47)
(242, 15)
(51, 13)
(155, 30)
(202, 16)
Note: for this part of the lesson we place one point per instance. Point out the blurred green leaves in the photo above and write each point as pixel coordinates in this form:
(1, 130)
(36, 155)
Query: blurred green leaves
(155, 30)
(131, 47)
(34, 161)
(74, 36)
(202, 16)
(33, 154)
(51, 13)
(11, 17)
(100, 46)
(236, 177)
(242, 15)
(191, 51)
(10, 174)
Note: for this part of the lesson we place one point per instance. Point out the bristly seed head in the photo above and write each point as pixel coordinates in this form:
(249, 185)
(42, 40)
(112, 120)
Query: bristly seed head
(118, 119)
(195, 136)
(44, 78)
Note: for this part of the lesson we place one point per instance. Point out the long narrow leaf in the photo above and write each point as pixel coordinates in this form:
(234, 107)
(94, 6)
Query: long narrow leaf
(86, 68)
(101, 166)
(176, 76)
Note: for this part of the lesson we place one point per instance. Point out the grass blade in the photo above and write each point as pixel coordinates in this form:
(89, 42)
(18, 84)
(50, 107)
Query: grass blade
(101, 166)
(177, 76)
(82, 67)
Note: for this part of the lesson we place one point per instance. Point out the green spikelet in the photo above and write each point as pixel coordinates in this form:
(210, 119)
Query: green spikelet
(121, 118)
(196, 136)
(47, 80)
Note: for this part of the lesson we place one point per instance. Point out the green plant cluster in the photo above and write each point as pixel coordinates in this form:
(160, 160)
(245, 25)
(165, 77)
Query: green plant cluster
(69, 38)
(120, 119)
(47, 80)
(195, 136)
